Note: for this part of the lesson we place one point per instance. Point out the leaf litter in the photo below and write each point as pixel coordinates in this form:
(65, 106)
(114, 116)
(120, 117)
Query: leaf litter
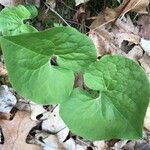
(15, 132)
(123, 37)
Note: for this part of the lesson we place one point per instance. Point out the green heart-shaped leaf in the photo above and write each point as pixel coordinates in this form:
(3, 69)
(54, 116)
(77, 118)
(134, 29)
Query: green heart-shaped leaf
(11, 19)
(41, 65)
(117, 104)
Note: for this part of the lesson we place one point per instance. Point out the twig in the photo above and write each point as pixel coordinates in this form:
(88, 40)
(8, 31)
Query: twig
(60, 130)
(54, 108)
(56, 13)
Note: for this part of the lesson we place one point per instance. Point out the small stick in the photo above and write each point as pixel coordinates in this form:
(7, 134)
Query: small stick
(54, 108)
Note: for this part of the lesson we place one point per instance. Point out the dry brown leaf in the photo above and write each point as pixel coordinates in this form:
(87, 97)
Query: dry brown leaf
(121, 39)
(109, 14)
(11, 2)
(15, 132)
(5, 116)
(136, 5)
(144, 26)
(80, 14)
(105, 17)
(3, 71)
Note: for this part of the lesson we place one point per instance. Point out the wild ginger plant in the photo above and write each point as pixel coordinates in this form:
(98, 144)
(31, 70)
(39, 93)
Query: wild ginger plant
(42, 66)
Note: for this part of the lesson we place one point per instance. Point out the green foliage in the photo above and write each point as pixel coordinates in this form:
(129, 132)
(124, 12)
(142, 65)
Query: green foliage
(119, 108)
(41, 67)
(29, 64)
(12, 19)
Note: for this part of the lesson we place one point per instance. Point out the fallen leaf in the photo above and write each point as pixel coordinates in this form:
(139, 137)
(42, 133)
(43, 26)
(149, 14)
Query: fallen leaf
(119, 39)
(52, 143)
(145, 147)
(136, 53)
(130, 145)
(145, 63)
(109, 14)
(36, 110)
(100, 145)
(78, 2)
(15, 132)
(101, 42)
(144, 26)
(3, 71)
(11, 2)
(135, 145)
(145, 44)
(23, 105)
(7, 99)
(70, 143)
(119, 145)
(53, 123)
(57, 140)
(136, 5)
(80, 14)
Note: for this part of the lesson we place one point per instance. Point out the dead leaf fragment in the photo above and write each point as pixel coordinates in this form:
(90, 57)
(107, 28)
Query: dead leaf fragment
(3, 71)
(119, 39)
(136, 5)
(80, 14)
(136, 53)
(36, 110)
(144, 26)
(15, 132)
(7, 99)
(52, 143)
(145, 63)
(109, 14)
(11, 2)
(104, 17)
(100, 145)
(78, 2)
(119, 145)
(145, 44)
(55, 124)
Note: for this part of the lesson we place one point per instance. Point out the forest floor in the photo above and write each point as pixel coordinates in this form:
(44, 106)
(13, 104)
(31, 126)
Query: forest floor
(115, 28)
